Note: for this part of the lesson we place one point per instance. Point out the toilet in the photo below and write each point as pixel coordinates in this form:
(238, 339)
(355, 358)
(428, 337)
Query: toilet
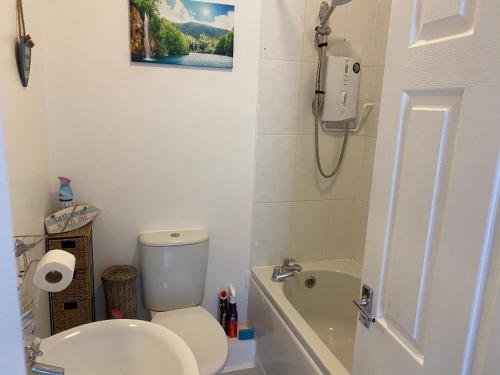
(174, 268)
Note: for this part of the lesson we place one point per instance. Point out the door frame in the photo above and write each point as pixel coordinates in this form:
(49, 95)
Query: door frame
(11, 344)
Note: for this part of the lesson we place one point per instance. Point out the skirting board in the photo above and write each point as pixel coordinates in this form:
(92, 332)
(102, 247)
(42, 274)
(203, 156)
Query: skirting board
(241, 355)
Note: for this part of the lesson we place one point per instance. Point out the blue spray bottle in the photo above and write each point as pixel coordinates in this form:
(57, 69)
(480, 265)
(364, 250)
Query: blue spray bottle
(65, 192)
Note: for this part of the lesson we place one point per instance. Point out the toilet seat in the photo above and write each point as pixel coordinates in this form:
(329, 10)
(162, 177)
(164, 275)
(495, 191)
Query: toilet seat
(201, 332)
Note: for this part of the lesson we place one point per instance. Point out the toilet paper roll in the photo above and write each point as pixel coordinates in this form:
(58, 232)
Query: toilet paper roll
(55, 271)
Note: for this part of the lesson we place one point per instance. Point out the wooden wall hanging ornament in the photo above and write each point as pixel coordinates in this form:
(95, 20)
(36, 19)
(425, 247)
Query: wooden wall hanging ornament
(24, 46)
(70, 218)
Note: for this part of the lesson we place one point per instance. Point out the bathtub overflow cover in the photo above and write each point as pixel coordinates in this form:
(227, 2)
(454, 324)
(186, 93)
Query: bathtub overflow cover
(310, 282)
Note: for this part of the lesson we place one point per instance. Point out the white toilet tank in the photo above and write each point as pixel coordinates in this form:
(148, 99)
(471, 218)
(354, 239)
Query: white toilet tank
(173, 268)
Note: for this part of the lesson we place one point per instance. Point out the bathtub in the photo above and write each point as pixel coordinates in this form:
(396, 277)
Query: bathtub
(305, 330)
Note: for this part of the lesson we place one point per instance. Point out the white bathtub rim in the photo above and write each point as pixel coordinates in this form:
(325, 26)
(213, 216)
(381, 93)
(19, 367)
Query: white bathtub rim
(321, 354)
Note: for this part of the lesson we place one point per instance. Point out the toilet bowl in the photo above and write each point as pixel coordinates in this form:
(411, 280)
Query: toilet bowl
(173, 268)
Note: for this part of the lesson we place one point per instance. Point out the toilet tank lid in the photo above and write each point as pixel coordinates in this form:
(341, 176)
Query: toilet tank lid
(173, 237)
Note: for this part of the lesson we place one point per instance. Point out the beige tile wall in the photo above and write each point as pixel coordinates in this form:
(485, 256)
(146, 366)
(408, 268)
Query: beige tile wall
(296, 212)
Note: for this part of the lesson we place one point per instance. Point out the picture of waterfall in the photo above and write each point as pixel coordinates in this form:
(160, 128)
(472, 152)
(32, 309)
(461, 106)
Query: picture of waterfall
(182, 32)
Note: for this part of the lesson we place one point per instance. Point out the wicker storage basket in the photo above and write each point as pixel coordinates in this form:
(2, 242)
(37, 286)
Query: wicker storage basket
(70, 314)
(119, 290)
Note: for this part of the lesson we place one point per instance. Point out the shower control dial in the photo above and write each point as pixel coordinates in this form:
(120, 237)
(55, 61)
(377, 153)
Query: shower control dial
(343, 98)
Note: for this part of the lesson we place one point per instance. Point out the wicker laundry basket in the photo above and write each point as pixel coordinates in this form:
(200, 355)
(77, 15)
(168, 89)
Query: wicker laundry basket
(119, 291)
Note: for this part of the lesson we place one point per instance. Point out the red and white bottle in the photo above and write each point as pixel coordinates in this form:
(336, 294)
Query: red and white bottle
(232, 316)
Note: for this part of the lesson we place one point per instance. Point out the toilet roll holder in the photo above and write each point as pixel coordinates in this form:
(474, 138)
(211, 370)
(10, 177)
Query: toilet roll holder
(21, 247)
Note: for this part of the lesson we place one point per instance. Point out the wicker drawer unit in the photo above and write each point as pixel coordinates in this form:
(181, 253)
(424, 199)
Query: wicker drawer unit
(75, 305)
(69, 314)
(78, 289)
(79, 247)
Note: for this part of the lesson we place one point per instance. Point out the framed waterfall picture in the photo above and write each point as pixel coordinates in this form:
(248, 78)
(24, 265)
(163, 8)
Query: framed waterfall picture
(182, 32)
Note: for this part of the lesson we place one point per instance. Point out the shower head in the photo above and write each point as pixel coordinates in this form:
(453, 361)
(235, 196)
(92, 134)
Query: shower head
(337, 3)
(326, 10)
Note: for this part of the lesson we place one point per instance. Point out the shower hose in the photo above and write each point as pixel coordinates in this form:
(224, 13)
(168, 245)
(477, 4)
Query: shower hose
(321, 43)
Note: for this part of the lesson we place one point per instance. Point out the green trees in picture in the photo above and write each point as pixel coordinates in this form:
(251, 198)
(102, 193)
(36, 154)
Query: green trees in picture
(169, 40)
(208, 30)
(166, 38)
(225, 44)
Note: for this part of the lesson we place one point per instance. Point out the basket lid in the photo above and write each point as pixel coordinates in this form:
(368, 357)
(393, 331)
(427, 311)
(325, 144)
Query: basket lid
(119, 273)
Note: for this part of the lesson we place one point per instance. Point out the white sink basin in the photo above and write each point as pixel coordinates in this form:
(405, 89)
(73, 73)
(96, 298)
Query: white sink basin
(119, 347)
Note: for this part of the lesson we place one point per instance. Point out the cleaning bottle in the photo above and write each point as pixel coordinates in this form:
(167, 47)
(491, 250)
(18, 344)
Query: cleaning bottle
(223, 309)
(232, 317)
(65, 192)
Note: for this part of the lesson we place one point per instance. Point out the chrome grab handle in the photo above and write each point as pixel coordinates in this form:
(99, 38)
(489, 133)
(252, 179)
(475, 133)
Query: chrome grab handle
(364, 305)
(361, 307)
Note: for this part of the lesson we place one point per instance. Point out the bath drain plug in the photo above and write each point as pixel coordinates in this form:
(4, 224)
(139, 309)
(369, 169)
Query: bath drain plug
(310, 282)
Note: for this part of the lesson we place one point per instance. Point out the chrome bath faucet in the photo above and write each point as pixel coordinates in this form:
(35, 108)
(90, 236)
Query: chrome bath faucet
(287, 269)
(31, 352)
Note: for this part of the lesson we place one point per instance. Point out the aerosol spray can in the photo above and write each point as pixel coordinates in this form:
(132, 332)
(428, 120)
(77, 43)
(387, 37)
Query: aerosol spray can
(223, 309)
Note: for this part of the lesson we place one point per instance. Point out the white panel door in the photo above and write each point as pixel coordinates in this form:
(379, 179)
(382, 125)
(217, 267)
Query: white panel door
(435, 189)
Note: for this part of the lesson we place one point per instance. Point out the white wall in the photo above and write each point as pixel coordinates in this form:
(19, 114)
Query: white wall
(25, 135)
(154, 147)
(296, 212)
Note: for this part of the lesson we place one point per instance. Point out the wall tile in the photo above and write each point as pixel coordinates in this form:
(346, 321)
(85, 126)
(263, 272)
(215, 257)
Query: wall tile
(360, 224)
(279, 97)
(308, 183)
(371, 91)
(309, 230)
(381, 32)
(275, 168)
(366, 95)
(271, 233)
(365, 179)
(307, 88)
(346, 182)
(360, 30)
(371, 125)
(282, 29)
(341, 228)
